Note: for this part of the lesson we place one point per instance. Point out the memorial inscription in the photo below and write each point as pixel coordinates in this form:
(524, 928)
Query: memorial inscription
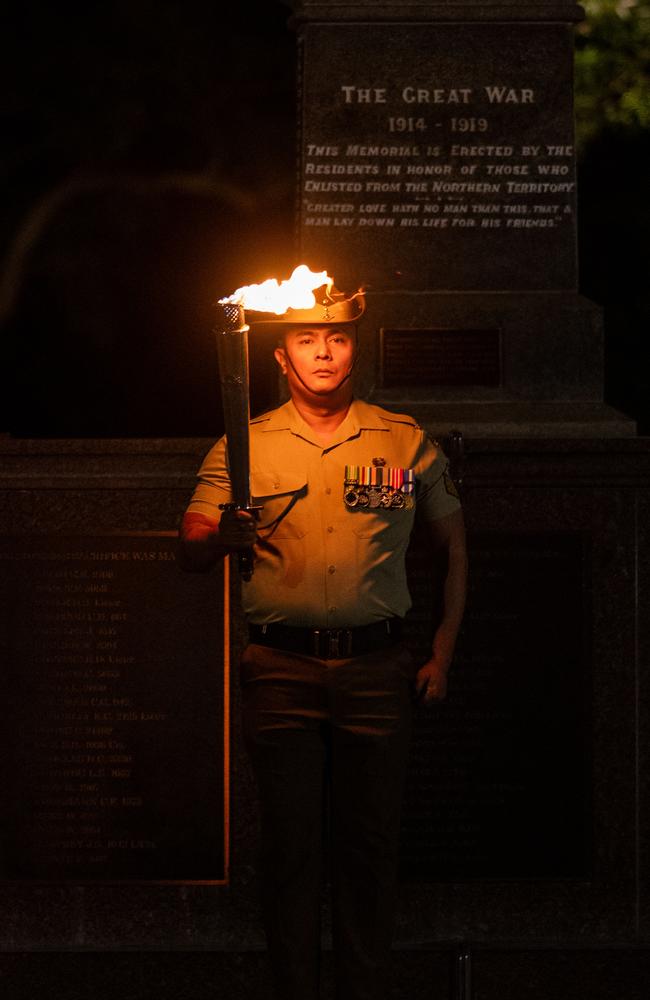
(113, 761)
(441, 133)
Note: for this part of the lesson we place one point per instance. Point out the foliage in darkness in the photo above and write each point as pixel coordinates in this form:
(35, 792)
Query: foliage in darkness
(612, 64)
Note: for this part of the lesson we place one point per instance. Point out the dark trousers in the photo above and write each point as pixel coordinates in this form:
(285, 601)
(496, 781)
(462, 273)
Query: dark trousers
(337, 730)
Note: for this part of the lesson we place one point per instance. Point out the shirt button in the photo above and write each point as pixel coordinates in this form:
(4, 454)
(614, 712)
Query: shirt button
(330, 528)
(328, 490)
(331, 569)
(332, 609)
(276, 486)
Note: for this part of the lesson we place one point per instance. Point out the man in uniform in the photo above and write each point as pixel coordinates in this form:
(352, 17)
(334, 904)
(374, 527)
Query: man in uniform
(327, 683)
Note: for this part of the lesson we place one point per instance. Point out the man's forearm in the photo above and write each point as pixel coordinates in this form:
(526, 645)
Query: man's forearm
(431, 680)
(455, 591)
(450, 535)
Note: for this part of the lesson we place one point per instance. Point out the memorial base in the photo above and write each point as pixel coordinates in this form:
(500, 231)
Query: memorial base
(507, 973)
(543, 743)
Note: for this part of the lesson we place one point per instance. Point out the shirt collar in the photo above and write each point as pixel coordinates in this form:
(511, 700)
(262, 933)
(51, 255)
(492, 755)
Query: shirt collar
(360, 416)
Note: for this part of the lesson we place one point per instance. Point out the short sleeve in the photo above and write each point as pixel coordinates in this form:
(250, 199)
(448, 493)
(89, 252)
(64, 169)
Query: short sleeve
(213, 482)
(436, 495)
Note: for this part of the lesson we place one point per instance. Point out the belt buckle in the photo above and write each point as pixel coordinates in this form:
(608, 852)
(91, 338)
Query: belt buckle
(331, 644)
(340, 643)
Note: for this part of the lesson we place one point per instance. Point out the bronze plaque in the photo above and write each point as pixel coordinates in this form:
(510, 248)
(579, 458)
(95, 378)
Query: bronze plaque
(114, 762)
(440, 357)
(499, 778)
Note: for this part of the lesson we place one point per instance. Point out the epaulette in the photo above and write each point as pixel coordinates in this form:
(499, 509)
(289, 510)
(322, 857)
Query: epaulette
(262, 418)
(397, 418)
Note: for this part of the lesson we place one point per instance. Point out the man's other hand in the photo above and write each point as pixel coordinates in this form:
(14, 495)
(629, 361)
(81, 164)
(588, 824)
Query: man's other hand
(431, 682)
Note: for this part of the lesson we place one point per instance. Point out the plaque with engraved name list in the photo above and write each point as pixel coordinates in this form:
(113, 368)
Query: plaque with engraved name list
(114, 760)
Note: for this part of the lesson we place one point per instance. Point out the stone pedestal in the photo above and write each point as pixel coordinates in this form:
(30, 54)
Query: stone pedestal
(564, 899)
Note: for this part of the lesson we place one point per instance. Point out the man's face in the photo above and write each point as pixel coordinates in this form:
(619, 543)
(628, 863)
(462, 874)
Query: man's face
(317, 358)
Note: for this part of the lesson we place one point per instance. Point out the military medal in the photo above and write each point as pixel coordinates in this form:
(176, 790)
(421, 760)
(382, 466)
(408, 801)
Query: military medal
(379, 486)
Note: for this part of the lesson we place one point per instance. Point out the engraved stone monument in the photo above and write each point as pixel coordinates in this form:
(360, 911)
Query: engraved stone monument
(438, 168)
(115, 721)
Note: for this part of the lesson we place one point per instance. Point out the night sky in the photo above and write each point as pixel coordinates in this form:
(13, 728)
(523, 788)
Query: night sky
(149, 167)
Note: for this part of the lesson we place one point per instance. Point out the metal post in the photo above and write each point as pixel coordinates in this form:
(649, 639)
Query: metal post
(463, 973)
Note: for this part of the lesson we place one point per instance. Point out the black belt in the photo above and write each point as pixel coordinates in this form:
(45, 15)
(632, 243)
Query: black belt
(329, 643)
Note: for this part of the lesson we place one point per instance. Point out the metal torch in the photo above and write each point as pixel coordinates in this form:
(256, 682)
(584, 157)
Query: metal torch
(232, 352)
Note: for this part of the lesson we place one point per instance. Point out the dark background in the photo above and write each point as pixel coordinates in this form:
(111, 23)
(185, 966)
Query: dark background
(149, 167)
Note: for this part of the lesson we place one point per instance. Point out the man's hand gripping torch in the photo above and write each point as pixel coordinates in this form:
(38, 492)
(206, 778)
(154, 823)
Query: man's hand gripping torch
(232, 352)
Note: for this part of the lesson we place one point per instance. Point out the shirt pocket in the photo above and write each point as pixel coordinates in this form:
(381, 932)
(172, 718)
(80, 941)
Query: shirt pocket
(280, 495)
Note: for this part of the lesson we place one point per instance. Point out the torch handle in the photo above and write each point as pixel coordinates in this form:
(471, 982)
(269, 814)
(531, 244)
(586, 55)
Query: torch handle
(245, 557)
(245, 562)
(232, 350)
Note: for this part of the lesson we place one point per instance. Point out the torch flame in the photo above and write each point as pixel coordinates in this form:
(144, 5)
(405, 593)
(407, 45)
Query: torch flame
(296, 292)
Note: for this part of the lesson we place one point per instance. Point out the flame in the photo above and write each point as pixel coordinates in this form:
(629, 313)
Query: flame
(296, 292)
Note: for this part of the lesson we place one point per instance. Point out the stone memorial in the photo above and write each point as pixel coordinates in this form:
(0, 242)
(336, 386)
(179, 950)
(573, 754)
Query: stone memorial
(438, 169)
(437, 166)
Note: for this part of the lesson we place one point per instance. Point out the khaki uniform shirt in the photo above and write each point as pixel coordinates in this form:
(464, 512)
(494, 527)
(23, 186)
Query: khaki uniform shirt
(319, 563)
